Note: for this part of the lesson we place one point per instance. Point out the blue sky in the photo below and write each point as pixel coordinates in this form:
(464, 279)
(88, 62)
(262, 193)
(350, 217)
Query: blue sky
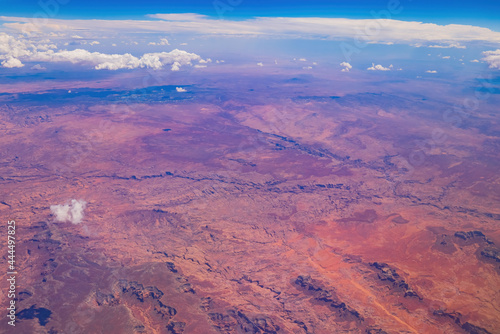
(479, 12)
(437, 36)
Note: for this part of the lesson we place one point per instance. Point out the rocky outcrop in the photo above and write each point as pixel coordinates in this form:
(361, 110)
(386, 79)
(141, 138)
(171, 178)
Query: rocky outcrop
(375, 331)
(140, 291)
(143, 294)
(472, 329)
(206, 303)
(176, 327)
(389, 276)
(491, 253)
(474, 236)
(329, 297)
(457, 319)
(235, 321)
(106, 299)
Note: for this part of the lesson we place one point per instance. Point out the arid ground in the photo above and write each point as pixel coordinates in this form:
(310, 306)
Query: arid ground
(253, 203)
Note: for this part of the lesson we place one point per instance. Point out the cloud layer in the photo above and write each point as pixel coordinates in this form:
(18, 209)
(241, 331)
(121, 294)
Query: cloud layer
(365, 30)
(72, 212)
(34, 45)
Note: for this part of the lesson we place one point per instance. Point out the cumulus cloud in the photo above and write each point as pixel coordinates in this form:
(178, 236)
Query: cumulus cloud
(11, 47)
(44, 47)
(431, 71)
(379, 68)
(446, 57)
(96, 59)
(474, 61)
(38, 67)
(71, 212)
(176, 58)
(176, 66)
(260, 64)
(492, 58)
(94, 43)
(12, 62)
(180, 90)
(14, 51)
(346, 66)
(162, 41)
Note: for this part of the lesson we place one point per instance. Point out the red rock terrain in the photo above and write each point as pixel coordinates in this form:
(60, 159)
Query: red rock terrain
(228, 215)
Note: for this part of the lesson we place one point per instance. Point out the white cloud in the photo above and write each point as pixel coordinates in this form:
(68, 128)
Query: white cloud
(12, 62)
(175, 66)
(443, 46)
(162, 41)
(307, 68)
(180, 90)
(13, 47)
(492, 58)
(260, 64)
(14, 51)
(176, 58)
(446, 57)
(302, 59)
(94, 43)
(430, 71)
(474, 61)
(96, 59)
(346, 66)
(71, 212)
(38, 67)
(376, 42)
(45, 47)
(200, 66)
(384, 31)
(379, 68)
